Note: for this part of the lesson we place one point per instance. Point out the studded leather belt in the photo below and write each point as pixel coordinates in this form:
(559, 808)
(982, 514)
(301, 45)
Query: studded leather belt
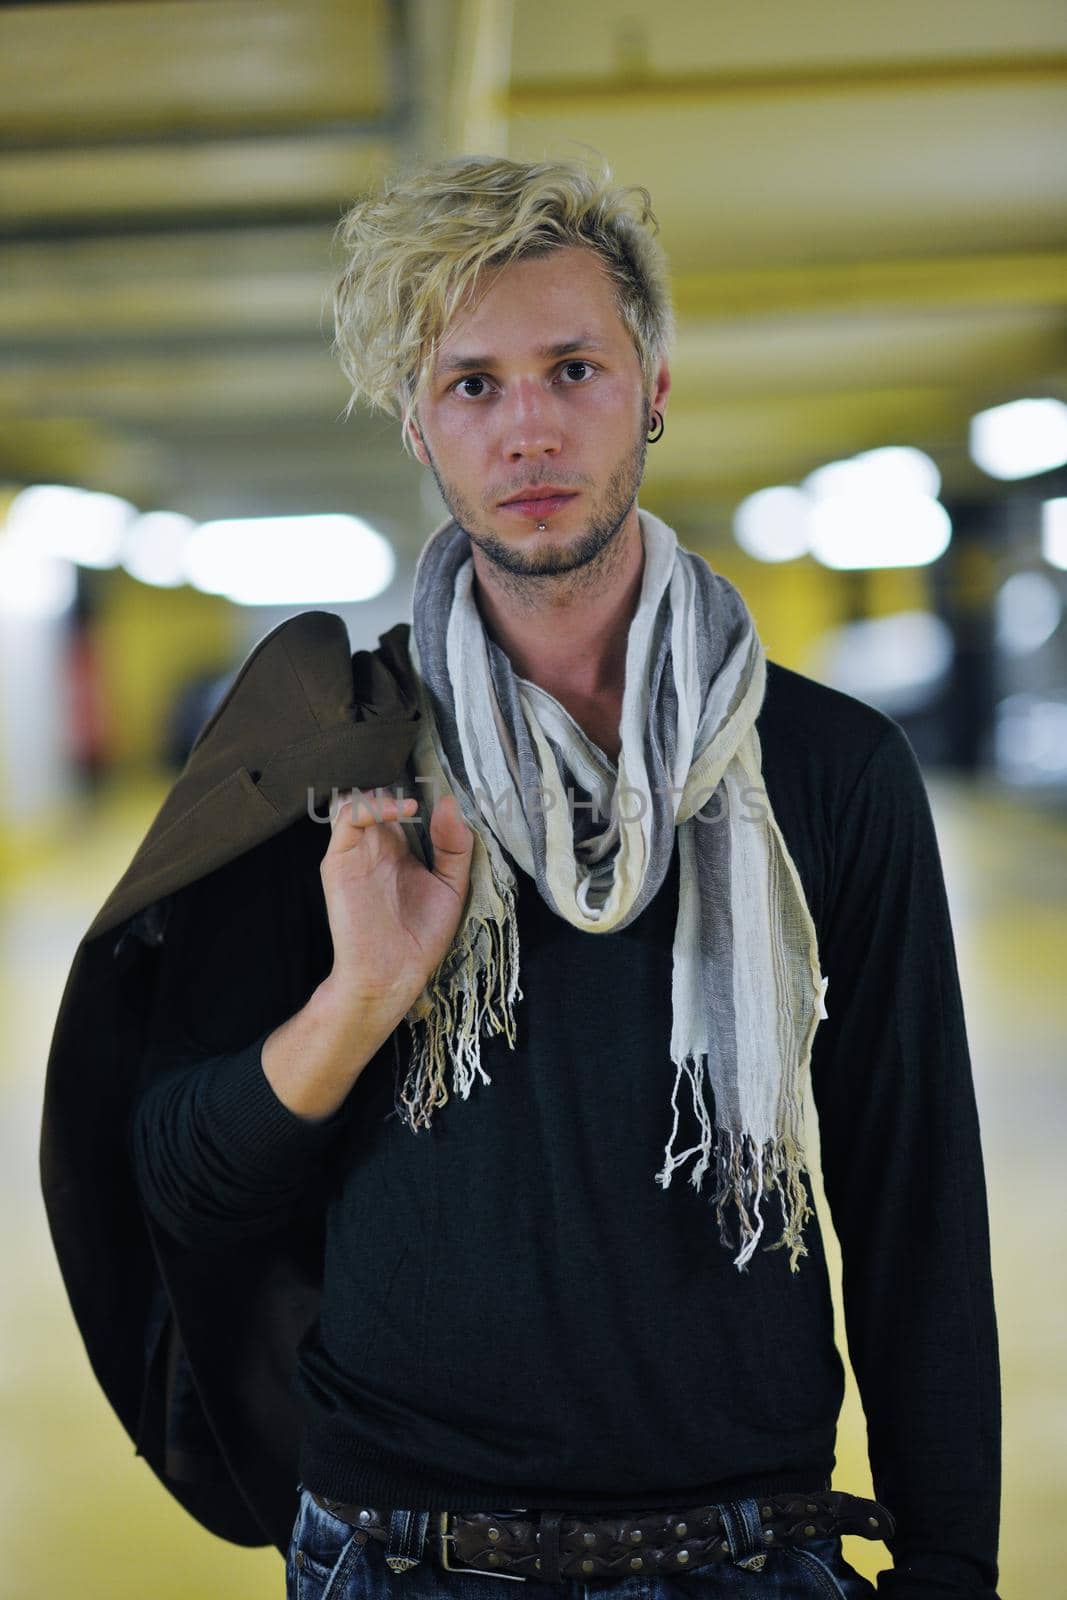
(550, 1546)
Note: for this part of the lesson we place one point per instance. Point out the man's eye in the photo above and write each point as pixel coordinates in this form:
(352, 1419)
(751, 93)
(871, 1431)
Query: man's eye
(577, 370)
(463, 386)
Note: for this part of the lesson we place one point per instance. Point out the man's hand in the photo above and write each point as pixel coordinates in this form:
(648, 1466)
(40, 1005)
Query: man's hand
(392, 921)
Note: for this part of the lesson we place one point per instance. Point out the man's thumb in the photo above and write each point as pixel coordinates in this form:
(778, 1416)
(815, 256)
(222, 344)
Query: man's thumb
(452, 840)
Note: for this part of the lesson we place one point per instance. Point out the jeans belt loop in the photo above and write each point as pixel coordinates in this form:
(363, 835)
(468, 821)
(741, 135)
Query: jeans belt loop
(744, 1531)
(407, 1539)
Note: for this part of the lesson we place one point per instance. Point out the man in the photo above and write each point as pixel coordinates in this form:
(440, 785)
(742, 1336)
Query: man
(533, 1354)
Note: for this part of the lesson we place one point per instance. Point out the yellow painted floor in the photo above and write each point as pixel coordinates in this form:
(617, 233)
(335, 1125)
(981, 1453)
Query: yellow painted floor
(81, 1516)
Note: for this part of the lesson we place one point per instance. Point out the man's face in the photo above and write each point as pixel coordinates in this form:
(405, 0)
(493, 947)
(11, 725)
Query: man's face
(537, 389)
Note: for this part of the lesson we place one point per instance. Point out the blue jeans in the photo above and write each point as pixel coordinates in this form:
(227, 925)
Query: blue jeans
(330, 1560)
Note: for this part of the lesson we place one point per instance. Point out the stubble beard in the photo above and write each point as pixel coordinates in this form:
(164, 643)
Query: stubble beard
(557, 571)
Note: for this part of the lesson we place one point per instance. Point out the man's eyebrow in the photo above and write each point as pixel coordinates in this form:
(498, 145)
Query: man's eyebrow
(585, 341)
(547, 352)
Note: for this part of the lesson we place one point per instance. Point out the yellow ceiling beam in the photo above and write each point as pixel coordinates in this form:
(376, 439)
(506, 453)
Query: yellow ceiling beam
(765, 439)
(158, 68)
(1024, 278)
(254, 386)
(274, 305)
(263, 176)
(634, 89)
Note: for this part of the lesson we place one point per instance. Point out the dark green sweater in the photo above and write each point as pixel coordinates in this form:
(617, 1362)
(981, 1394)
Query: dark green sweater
(514, 1312)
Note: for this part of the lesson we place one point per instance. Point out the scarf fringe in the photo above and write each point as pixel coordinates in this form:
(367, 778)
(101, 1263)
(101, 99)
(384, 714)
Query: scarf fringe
(744, 1172)
(473, 992)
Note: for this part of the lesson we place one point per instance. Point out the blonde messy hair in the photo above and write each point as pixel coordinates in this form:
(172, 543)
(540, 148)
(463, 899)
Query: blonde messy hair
(415, 252)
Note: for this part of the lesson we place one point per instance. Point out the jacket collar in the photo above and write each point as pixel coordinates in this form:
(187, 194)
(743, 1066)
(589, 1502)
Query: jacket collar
(302, 715)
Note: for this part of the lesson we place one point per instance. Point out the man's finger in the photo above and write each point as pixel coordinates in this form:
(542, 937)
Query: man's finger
(362, 808)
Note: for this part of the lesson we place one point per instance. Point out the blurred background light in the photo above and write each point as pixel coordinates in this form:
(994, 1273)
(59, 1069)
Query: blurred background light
(78, 525)
(1020, 439)
(876, 509)
(290, 560)
(1054, 532)
(837, 480)
(154, 547)
(1028, 610)
(774, 524)
(34, 584)
(906, 530)
(1030, 739)
(892, 470)
(900, 469)
(897, 663)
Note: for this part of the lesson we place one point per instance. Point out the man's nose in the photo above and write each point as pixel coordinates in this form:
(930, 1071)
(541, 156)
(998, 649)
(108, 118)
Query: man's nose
(531, 423)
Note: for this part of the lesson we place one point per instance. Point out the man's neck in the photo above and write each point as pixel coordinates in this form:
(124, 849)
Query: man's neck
(568, 633)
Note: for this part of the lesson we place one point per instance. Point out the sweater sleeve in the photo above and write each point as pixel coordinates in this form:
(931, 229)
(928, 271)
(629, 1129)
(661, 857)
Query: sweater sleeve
(216, 1155)
(902, 1166)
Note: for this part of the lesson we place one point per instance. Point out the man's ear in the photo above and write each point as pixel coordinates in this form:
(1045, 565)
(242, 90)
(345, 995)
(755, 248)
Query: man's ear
(662, 387)
(417, 444)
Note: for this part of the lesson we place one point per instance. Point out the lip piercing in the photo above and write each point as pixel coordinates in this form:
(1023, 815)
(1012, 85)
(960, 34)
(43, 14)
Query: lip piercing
(541, 527)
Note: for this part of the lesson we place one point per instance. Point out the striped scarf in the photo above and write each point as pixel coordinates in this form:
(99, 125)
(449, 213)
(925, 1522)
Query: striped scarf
(747, 991)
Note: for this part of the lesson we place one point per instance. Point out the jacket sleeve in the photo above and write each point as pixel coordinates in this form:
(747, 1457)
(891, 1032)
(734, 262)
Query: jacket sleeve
(902, 1166)
(216, 1155)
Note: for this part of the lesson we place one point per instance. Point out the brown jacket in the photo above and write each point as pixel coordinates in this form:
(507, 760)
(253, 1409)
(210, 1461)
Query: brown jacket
(196, 1353)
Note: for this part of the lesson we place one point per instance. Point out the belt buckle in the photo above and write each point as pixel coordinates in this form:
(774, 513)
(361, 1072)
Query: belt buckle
(483, 1572)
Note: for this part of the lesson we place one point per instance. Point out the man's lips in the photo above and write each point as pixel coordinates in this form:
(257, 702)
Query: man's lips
(539, 503)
